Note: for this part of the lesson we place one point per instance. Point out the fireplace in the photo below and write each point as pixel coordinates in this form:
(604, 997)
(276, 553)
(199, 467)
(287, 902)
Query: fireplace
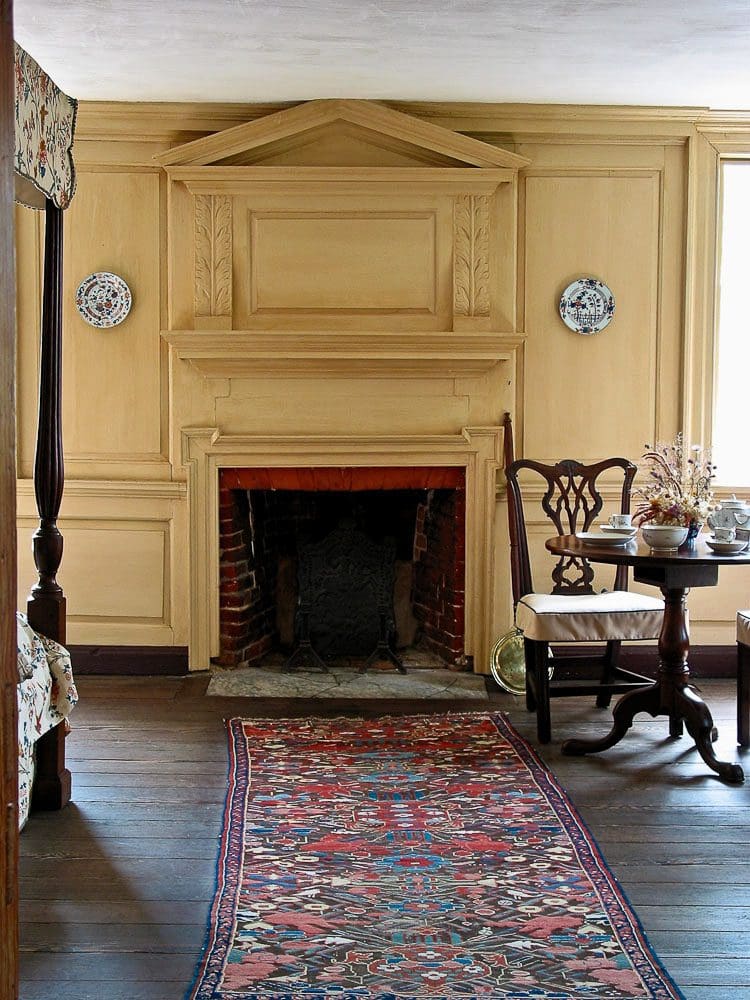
(465, 462)
(269, 518)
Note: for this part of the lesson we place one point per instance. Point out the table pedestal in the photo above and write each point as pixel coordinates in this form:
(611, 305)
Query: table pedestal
(671, 694)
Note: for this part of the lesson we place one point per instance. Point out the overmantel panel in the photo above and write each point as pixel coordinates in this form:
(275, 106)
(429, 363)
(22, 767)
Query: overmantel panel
(342, 256)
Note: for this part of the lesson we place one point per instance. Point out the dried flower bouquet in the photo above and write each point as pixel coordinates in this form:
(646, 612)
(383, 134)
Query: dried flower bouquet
(679, 487)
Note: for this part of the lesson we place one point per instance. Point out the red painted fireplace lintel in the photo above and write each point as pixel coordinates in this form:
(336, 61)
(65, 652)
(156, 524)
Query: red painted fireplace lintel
(344, 479)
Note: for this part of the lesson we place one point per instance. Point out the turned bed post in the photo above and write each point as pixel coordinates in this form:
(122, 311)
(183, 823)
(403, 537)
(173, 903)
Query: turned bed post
(46, 603)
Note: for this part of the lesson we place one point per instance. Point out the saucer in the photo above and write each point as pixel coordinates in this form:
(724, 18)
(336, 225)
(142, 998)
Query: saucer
(727, 548)
(612, 530)
(600, 538)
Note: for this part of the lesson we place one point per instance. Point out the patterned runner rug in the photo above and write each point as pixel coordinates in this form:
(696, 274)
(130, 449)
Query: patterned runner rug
(414, 857)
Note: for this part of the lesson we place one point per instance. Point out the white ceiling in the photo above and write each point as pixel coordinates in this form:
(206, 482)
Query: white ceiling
(666, 52)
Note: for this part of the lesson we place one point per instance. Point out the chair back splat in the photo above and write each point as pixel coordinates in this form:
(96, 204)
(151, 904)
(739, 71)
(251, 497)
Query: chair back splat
(571, 501)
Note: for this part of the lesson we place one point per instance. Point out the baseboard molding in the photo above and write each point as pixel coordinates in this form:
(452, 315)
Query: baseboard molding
(172, 661)
(130, 661)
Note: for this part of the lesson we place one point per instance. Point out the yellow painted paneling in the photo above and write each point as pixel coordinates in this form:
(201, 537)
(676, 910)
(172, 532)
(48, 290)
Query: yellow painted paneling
(379, 408)
(589, 397)
(607, 194)
(112, 382)
(344, 261)
(112, 572)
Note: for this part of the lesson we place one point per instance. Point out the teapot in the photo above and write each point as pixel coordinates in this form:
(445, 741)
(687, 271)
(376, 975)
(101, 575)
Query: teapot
(731, 513)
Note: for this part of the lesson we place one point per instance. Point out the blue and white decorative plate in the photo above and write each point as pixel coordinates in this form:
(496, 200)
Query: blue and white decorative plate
(103, 299)
(587, 306)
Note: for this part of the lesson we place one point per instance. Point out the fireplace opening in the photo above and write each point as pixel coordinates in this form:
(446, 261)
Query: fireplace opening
(268, 517)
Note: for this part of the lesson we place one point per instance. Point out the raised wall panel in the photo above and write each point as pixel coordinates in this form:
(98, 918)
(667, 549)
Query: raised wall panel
(112, 378)
(124, 564)
(381, 407)
(125, 570)
(590, 397)
(373, 262)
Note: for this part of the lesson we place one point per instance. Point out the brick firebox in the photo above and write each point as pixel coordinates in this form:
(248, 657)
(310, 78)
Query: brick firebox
(263, 512)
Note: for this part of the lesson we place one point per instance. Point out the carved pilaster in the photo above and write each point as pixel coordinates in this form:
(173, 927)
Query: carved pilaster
(213, 259)
(471, 255)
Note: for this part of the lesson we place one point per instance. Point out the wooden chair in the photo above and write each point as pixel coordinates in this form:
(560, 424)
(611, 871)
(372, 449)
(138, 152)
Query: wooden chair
(743, 678)
(567, 494)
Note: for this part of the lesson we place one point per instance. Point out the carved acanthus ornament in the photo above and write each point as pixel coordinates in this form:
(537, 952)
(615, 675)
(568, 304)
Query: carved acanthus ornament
(213, 256)
(471, 255)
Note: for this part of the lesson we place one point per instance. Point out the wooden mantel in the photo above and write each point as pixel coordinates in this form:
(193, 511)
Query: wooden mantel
(340, 353)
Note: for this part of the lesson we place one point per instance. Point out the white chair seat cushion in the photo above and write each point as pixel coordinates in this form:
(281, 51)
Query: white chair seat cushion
(743, 627)
(589, 617)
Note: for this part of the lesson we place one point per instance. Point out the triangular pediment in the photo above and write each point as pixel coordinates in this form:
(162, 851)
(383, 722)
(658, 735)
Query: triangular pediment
(327, 133)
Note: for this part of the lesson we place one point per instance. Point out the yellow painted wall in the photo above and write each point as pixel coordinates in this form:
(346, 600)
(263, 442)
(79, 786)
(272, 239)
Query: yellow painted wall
(625, 195)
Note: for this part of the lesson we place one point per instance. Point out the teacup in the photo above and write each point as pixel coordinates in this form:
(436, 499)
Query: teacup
(621, 520)
(725, 534)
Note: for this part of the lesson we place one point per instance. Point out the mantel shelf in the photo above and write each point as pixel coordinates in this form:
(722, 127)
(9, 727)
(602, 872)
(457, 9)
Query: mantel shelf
(367, 354)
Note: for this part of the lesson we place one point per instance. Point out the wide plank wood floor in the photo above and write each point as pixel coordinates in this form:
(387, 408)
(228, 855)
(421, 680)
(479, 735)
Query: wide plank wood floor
(115, 889)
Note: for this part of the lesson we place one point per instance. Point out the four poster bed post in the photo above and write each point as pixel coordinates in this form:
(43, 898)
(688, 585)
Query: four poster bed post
(45, 179)
(45, 607)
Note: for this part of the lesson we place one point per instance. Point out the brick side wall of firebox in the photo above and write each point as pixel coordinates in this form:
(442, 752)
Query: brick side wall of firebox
(246, 610)
(439, 572)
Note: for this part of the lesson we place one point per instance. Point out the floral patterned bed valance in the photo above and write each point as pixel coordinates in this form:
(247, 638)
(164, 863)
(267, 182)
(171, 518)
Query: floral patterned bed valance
(45, 123)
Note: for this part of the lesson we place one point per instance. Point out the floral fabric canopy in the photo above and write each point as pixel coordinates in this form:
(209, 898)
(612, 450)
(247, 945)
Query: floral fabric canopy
(45, 124)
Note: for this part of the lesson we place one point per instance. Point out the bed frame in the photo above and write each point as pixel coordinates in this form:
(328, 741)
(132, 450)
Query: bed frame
(46, 606)
(45, 119)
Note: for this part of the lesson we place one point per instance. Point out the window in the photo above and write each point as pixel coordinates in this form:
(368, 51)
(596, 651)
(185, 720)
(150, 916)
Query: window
(731, 448)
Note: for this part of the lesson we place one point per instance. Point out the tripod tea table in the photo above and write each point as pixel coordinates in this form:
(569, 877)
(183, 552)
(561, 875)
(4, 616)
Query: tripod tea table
(674, 573)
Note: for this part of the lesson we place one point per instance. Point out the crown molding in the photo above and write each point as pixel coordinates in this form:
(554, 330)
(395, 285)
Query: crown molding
(178, 123)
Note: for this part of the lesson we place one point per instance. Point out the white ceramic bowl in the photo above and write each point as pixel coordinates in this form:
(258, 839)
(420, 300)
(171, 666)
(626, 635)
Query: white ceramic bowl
(664, 536)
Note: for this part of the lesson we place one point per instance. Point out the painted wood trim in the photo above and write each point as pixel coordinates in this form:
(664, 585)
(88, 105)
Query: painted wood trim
(305, 353)
(205, 450)
(700, 290)
(115, 489)
(213, 258)
(177, 122)
(471, 256)
(245, 180)
(314, 114)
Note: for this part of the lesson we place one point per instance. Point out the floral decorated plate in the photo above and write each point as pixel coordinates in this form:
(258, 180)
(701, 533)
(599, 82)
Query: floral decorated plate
(103, 299)
(587, 306)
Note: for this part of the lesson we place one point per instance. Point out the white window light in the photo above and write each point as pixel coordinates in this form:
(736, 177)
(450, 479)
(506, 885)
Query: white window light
(731, 441)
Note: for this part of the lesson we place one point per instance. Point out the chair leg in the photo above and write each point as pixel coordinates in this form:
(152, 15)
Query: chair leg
(743, 694)
(541, 684)
(609, 666)
(528, 656)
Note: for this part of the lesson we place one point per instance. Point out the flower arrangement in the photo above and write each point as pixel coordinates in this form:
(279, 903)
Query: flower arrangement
(679, 488)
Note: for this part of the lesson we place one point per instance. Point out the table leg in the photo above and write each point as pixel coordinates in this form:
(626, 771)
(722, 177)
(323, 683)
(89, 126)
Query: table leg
(671, 695)
(643, 700)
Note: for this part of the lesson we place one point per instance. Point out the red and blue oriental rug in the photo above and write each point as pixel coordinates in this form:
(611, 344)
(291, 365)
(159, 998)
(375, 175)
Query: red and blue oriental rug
(418, 857)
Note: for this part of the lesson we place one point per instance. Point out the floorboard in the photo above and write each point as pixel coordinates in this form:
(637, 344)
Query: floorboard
(116, 888)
